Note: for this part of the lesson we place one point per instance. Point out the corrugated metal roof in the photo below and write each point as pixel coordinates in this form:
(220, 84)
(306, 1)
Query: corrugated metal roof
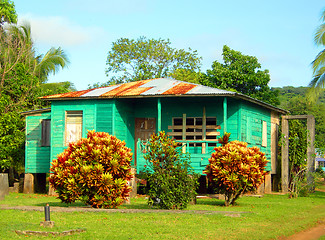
(159, 86)
(155, 87)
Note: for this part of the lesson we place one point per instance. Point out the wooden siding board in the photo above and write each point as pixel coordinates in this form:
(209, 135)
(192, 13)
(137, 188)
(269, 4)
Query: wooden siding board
(251, 126)
(37, 158)
(59, 109)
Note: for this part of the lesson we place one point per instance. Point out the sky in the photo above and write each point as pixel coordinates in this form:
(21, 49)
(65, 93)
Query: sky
(279, 32)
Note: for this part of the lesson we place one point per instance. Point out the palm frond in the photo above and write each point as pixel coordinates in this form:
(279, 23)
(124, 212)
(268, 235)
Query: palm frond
(319, 38)
(319, 61)
(318, 80)
(50, 63)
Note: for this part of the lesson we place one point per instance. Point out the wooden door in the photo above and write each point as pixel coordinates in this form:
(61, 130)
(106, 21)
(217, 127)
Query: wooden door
(144, 127)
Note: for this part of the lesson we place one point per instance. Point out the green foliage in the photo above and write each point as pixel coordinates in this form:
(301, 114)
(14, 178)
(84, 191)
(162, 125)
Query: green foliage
(298, 184)
(241, 73)
(16, 95)
(235, 169)
(22, 78)
(7, 12)
(297, 101)
(94, 170)
(298, 145)
(132, 60)
(172, 181)
(12, 140)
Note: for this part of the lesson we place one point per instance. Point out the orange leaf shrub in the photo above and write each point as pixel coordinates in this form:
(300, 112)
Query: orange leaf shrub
(235, 169)
(94, 170)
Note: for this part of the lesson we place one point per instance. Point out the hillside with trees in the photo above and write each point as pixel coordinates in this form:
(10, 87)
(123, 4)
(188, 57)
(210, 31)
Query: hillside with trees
(299, 101)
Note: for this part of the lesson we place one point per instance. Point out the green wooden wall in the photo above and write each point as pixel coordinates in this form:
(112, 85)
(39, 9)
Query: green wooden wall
(117, 117)
(252, 117)
(58, 112)
(37, 157)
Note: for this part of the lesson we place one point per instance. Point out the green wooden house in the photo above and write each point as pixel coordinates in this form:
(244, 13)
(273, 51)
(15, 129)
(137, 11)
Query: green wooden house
(194, 115)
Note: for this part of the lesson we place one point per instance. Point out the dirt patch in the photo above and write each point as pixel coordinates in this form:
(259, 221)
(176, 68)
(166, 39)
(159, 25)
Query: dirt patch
(41, 233)
(313, 233)
(89, 209)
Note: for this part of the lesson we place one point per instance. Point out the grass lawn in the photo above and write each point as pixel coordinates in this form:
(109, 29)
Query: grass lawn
(265, 218)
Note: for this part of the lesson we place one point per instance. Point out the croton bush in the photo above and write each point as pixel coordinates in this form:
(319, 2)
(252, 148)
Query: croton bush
(235, 169)
(94, 170)
(172, 181)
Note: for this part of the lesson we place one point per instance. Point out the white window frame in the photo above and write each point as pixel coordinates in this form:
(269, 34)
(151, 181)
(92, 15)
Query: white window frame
(73, 126)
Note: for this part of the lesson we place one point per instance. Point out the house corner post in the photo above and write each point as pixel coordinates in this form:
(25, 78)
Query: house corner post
(310, 152)
(113, 117)
(285, 155)
(225, 114)
(159, 115)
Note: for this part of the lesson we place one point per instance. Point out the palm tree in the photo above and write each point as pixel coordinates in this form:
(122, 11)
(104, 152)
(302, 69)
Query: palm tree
(42, 65)
(318, 64)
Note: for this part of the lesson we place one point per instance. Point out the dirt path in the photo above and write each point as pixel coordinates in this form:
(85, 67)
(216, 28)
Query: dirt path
(309, 234)
(89, 209)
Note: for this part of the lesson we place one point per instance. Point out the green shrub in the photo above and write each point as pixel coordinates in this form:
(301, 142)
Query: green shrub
(172, 182)
(94, 170)
(235, 169)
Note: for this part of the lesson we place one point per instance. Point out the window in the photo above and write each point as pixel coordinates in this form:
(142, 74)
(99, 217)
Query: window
(264, 134)
(46, 133)
(195, 129)
(73, 126)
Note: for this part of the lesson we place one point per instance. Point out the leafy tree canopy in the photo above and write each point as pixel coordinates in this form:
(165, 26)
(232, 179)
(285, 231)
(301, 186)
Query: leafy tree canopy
(23, 74)
(132, 60)
(240, 73)
(7, 12)
(296, 100)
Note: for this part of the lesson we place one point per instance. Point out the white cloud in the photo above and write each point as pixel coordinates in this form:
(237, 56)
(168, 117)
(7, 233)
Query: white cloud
(56, 30)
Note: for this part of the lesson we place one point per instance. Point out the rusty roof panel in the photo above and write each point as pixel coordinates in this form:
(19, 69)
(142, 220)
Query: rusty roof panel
(68, 95)
(181, 88)
(126, 89)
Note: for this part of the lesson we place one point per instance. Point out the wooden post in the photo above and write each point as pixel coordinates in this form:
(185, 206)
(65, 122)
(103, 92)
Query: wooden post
(204, 130)
(113, 117)
(52, 191)
(285, 155)
(29, 183)
(225, 117)
(184, 132)
(310, 152)
(4, 185)
(159, 115)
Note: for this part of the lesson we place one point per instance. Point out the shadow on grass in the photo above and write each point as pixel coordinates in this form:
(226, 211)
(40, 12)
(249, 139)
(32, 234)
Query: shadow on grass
(212, 202)
(60, 204)
(132, 205)
(318, 194)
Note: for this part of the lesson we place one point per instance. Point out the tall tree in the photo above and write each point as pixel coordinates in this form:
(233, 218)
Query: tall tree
(133, 60)
(318, 64)
(240, 73)
(22, 77)
(7, 12)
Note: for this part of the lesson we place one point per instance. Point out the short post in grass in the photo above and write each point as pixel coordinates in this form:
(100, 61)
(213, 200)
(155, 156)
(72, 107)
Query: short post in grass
(47, 222)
